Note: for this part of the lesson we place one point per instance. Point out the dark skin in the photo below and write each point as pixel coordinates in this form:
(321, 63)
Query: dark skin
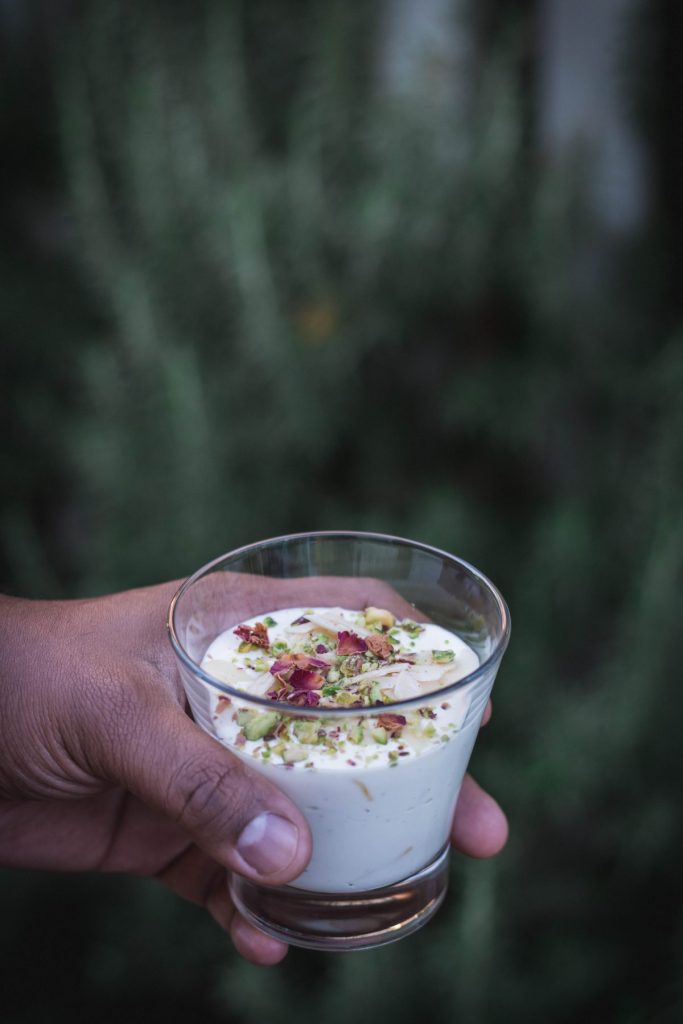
(102, 769)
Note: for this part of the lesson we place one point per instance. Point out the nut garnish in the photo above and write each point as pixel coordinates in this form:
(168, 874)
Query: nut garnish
(256, 635)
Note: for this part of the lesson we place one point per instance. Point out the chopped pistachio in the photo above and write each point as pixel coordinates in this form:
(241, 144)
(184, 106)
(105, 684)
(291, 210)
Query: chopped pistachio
(351, 665)
(333, 676)
(244, 715)
(411, 628)
(261, 724)
(293, 754)
(379, 735)
(379, 616)
(306, 732)
(329, 690)
(344, 698)
(443, 657)
(280, 647)
(376, 693)
(429, 730)
(393, 756)
(269, 621)
(356, 734)
(245, 647)
(260, 665)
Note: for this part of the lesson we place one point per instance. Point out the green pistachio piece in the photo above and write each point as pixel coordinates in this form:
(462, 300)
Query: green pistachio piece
(379, 735)
(261, 724)
(306, 732)
(379, 616)
(269, 621)
(356, 734)
(244, 715)
(293, 754)
(443, 657)
(344, 698)
(375, 693)
(333, 676)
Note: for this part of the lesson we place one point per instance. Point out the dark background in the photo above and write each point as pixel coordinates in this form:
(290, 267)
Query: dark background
(406, 267)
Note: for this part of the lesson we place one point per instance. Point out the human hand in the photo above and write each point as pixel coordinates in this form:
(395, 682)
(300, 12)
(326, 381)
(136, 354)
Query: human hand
(102, 769)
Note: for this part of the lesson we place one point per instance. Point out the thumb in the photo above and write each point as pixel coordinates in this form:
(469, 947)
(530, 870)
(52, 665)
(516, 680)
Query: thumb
(234, 814)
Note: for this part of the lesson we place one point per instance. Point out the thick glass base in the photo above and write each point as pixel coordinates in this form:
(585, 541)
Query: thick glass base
(344, 921)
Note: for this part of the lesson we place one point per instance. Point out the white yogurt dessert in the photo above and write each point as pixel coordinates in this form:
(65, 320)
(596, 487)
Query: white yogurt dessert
(377, 787)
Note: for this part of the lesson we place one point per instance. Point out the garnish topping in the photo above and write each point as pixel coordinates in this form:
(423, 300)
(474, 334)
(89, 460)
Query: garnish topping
(411, 628)
(305, 679)
(350, 643)
(256, 635)
(379, 617)
(222, 704)
(304, 661)
(392, 724)
(379, 646)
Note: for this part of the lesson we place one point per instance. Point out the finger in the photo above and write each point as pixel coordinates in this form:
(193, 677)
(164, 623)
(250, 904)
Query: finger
(218, 901)
(253, 945)
(235, 815)
(480, 828)
(260, 594)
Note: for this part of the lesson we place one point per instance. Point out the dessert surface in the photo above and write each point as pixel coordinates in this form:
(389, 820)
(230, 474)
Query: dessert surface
(338, 658)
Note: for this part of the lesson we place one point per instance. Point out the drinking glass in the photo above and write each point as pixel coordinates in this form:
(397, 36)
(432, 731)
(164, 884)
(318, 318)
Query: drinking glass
(379, 868)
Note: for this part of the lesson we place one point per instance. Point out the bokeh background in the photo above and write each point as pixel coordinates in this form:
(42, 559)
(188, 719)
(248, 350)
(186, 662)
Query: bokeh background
(411, 267)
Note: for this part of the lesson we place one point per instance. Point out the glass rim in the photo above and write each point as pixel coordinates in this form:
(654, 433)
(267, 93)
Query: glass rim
(339, 712)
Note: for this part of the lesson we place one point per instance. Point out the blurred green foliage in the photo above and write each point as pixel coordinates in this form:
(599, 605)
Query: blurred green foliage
(284, 301)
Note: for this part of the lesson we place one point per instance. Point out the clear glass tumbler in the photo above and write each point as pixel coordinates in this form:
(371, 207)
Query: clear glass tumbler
(379, 868)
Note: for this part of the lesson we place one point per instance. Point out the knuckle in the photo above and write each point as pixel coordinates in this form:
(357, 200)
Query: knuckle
(211, 797)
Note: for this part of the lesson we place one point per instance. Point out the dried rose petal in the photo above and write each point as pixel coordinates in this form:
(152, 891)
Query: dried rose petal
(280, 689)
(304, 697)
(392, 723)
(321, 649)
(305, 679)
(297, 660)
(350, 643)
(379, 646)
(300, 621)
(257, 635)
(222, 704)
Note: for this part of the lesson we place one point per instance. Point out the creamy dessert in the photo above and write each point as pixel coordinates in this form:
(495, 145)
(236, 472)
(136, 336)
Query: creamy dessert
(377, 786)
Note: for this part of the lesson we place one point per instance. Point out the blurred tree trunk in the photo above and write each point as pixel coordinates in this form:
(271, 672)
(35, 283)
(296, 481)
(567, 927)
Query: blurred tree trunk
(428, 51)
(583, 103)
